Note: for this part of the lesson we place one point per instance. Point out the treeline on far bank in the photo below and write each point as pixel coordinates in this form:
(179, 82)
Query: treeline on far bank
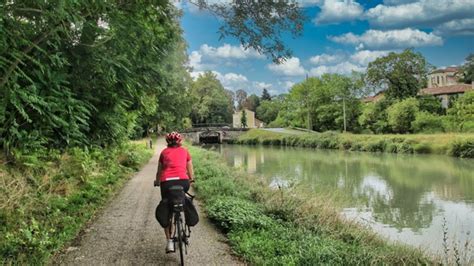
(453, 144)
(335, 102)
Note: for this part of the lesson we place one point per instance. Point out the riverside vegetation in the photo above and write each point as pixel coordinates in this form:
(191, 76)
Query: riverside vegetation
(454, 144)
(282, 227)
(46, 198)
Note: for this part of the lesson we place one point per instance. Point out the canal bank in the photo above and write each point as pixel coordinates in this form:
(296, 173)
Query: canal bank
(452, 144)
(281, 226)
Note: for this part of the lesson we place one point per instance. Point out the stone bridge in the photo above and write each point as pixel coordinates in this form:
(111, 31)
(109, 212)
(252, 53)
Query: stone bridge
(212, 134)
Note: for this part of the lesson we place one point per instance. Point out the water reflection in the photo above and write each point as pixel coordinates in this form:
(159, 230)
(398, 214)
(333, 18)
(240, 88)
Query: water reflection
(404, 197)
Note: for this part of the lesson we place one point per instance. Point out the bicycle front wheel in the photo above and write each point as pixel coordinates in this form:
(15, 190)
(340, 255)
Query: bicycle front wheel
(180, 234)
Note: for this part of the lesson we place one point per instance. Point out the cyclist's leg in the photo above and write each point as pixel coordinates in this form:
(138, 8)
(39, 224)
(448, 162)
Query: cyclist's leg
(164, 194)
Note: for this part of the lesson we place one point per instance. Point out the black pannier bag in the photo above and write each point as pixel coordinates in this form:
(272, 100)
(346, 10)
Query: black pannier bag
(163, 213)
(176, 195)
(190, 213)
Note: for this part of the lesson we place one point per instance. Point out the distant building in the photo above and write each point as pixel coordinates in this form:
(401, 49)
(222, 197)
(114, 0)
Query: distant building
(445, 93)
(444, 77)
(252, 122)
(442, 83)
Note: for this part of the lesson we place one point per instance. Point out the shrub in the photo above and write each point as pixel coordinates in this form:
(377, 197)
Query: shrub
(462, 148)
(402, 114)
(233, 213)
(427, 123)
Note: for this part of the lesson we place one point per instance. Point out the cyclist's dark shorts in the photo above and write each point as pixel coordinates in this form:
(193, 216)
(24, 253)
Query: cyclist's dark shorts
(164, 186)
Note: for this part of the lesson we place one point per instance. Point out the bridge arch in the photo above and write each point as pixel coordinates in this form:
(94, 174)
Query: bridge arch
(210, 137)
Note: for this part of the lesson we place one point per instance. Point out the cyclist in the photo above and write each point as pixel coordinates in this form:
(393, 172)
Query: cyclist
(174, 168)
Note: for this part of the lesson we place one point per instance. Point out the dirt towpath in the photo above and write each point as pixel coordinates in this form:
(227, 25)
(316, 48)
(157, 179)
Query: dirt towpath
(126, 232)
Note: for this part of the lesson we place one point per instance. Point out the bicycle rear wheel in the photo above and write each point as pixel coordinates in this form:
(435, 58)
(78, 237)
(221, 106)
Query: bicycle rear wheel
(180, 233)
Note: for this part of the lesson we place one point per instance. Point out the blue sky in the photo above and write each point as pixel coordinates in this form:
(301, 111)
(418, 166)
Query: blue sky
(339, 36)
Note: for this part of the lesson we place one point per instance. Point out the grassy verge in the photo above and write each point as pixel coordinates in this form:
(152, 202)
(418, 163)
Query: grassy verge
(282, 227)
(47, 198)
(458, 145)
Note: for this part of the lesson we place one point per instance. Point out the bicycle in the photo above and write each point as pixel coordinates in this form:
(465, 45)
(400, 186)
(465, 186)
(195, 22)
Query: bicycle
(182, 231)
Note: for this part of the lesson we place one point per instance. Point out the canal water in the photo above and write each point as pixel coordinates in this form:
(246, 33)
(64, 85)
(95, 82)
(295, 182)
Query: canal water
(413, 199)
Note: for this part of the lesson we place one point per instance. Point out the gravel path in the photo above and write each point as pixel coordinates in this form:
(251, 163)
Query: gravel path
(126, 232)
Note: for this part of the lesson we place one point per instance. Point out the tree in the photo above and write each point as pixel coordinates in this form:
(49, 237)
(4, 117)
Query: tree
(243, 119)
(401, 115)
(268, 110)
(463, 112)
(258, 24)
(240, 97)
(431, 104)
(468, 69)
(83, 73)
(252, 102)
(210, 102)
(401, 75)
(266, 96)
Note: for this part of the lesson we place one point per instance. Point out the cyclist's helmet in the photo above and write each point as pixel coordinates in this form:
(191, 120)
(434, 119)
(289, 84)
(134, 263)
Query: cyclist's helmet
(174, 137)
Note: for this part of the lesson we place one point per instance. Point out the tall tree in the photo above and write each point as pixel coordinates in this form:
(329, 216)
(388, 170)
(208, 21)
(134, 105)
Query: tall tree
(240, 97)
(252, 102)
(210, 102)
(265, 95)
(268, 110)
(243, 118)
(401, 75)
(81, 73)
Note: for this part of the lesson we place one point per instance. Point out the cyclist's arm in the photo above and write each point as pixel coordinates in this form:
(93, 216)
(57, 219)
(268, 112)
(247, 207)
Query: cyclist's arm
(158, 172)
(189, 167)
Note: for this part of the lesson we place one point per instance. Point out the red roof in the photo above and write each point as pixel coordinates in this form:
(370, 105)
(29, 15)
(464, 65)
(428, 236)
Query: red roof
(448, 69)
(458, 88)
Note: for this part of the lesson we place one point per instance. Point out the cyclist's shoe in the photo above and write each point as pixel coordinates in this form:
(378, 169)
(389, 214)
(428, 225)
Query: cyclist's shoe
(170, 246)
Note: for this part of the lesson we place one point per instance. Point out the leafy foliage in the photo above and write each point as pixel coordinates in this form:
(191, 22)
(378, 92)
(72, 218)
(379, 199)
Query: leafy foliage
(265, 95)
(210, 101)
(468, 69)
(427, 123)
(402, 74)
(243, 118)
(463, 111)
(48, 197)
(258, 25)
(402, 114)
(81, 73)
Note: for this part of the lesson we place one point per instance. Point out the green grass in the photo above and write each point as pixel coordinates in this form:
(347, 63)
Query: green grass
(453, 144)
(47, 197)
(283, 227)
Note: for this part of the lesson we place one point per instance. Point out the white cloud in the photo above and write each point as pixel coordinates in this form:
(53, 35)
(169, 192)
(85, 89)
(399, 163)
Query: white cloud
(228, 51)
(344, 68)
(324, 59)
(364, 57)
(234, 81)
(335, 11)
(195, 60)
(456, 27)
(286, 84)
(291, 67)
(420, 13)
(262, 85)
(392, 39)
